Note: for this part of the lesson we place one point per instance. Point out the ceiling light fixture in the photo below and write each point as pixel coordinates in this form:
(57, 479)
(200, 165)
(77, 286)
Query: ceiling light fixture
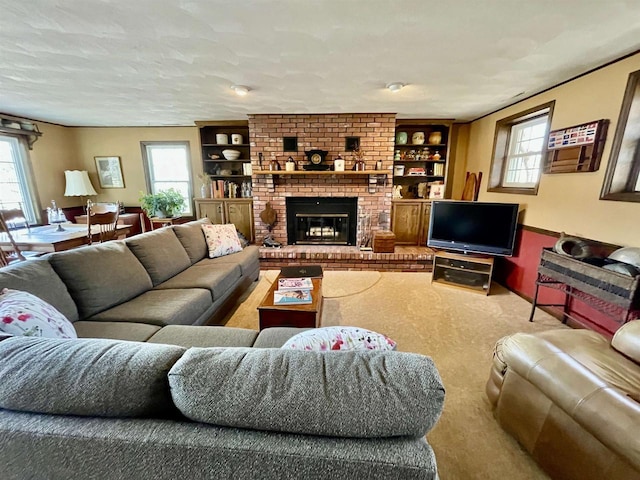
(395, 86)
(240, 90)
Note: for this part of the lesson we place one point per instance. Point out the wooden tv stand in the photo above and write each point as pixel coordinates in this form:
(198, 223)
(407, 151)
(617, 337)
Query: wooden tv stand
(468, 272)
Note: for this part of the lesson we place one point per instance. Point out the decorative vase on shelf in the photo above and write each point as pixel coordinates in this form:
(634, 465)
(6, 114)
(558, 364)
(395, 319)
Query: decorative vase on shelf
(359, 166)
(205, 190)
(401, 138)
(435, 138)
(274, 165)
(417, 138)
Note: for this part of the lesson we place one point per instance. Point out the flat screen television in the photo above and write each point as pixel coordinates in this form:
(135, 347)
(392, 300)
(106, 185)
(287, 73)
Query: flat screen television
(473, 227)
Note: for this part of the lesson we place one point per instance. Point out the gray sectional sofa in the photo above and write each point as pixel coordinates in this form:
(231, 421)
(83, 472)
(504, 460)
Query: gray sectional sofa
(105, 409)
(131, 289)
(155, 394)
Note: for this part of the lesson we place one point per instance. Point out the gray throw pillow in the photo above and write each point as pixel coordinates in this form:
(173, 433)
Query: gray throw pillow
(91, 377)
(361, 394)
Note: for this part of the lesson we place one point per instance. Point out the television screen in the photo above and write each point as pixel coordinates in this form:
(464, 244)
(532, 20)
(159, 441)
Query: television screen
(475, 227)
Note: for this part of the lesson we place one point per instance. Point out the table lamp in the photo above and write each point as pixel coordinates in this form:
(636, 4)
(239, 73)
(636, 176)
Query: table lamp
(78, 184)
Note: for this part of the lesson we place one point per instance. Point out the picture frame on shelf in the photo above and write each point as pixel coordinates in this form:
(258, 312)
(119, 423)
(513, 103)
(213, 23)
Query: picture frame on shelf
(436, 191)
(109, 172)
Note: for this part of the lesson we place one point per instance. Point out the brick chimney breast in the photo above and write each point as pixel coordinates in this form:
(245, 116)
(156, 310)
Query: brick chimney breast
(323, 132)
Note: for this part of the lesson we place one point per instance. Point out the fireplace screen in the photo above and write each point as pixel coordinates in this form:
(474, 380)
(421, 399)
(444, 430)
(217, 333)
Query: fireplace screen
(323, 228)
(321, 220)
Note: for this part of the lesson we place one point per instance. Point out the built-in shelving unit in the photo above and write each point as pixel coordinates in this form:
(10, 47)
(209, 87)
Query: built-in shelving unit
(233, 174)
(417, 166)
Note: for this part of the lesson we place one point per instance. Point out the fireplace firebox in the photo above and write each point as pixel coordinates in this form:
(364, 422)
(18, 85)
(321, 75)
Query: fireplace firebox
(321, 220)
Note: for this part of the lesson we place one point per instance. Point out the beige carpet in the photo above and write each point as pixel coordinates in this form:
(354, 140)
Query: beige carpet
(458, 330)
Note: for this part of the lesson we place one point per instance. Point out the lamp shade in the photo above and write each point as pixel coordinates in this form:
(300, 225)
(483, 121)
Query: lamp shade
(78, 184)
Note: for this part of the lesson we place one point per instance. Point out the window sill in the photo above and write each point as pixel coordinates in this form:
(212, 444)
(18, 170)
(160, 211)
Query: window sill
(514, 190)
(622, 196)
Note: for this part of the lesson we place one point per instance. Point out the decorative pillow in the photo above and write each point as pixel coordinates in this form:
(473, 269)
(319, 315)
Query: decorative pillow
(221, 239)
(339, 338)
(24, 314)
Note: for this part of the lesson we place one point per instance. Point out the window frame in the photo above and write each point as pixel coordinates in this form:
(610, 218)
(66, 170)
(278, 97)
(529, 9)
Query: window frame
(502, 140)
(623, 170)
(30, 204)
(148, 175)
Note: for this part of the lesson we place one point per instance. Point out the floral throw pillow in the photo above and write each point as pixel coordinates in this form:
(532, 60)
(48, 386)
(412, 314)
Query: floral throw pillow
(24, 314)
(339, 338)
(221, 239)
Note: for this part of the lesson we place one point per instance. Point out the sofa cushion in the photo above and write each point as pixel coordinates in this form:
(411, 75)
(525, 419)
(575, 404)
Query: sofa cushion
(100, 276)
(248, 260)
(136, 332)
(38, 277)
(209, 336)
(315, 393)
(105, 378)
(627, 340)
(339, 338)
(192, 238)
(160, 252)
(218, 280)
(160, 307)
(22, 313)
(221, 239)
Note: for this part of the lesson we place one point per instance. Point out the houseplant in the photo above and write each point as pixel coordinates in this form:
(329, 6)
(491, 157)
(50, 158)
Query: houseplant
(165, 203)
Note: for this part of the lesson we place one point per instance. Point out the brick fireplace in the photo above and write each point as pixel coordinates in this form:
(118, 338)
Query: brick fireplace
(324, 132)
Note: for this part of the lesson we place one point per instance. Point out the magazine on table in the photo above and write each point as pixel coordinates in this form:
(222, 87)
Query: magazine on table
(302, 283)
(291, 297)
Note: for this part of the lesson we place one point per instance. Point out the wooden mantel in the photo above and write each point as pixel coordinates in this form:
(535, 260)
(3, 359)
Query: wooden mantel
(372, 174)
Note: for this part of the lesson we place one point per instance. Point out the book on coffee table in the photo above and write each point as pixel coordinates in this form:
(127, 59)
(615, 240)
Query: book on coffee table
(304, 283)
(291, 297)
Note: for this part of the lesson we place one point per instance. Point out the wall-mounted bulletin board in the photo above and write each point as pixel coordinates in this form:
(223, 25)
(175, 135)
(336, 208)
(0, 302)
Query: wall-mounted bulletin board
(577, 148)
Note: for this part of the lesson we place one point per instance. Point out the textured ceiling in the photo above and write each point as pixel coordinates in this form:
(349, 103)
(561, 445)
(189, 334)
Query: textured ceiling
(170, 62)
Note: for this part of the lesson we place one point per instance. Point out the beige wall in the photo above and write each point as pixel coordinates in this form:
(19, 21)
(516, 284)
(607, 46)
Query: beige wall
(569, 202)
(125, 143)
(52, 154)
(68, 148)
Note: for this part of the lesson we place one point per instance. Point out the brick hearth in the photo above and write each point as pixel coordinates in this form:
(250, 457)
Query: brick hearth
(348, 258)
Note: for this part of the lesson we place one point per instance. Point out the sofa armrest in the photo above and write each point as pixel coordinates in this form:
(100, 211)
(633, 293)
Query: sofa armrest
(599, 406)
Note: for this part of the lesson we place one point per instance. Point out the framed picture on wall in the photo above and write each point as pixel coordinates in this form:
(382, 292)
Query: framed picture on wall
(109, 172)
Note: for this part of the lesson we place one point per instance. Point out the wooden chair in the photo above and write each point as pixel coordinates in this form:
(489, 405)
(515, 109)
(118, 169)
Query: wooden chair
(107, 222)
(9, 219)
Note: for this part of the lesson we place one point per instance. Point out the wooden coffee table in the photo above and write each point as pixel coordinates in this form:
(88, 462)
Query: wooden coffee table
(302, 316)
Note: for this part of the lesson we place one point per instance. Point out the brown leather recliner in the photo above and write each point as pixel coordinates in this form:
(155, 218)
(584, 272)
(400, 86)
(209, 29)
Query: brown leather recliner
(572, 399)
